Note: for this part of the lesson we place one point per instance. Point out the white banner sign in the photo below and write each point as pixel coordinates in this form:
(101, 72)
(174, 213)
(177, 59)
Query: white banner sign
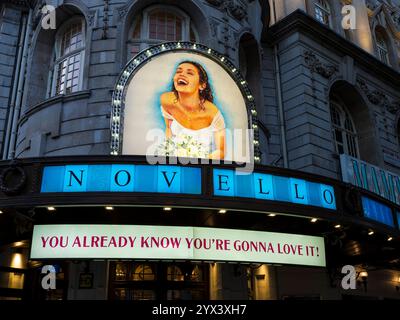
(174, 243)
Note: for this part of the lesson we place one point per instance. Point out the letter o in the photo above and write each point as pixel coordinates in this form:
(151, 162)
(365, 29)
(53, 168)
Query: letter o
(330, 196)
(128, 180)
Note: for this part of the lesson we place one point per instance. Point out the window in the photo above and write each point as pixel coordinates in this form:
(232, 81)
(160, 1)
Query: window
(69, 55)
(149, 281)
(174, 273)
(143, 272)
(382, 48)
(323, 12)
(343, 131)
(160, 24)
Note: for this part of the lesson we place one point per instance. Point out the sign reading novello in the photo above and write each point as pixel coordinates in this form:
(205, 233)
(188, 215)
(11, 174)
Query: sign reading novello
(175, 243)
(369, 177)
(184, 180)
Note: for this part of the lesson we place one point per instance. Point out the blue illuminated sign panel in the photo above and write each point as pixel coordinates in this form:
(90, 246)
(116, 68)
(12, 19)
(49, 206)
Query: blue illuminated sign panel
(273, 188)
(122, 178)
(184, 180)
(377, 211)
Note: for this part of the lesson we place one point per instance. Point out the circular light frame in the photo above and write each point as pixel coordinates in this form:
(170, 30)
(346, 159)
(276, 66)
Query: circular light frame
(120, 89)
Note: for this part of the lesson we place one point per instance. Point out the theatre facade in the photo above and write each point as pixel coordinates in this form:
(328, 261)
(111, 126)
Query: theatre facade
(199, 150)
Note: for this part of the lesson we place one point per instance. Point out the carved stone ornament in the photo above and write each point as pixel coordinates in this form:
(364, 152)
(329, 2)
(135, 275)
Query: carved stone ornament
(122, 11)
(92, 18)
(396, 18)
(378, 98)
(315, 65)
(236, 8)
(394, 107)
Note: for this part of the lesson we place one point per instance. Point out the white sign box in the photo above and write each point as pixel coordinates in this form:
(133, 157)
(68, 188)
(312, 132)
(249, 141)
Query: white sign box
(174, 243)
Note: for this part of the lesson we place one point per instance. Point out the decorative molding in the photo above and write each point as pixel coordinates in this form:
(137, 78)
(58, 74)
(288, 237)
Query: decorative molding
(378, 98)
(236, 8)
(394, 107)
(123, 11)
(105, 19)
(214, 26)
(92, 18)
(374, 96)
(315, 65)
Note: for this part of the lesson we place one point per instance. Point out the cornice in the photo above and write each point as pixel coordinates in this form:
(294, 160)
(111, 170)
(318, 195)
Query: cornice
(301, 22)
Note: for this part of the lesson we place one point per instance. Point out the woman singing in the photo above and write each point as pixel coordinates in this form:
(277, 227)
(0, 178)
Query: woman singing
(189, 111)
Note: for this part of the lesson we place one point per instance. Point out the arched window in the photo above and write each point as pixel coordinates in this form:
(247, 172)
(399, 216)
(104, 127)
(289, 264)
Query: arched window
(343, 129)
(143, 272)
(69, 55)
(323, 12)
(174, 273)
(382, 47)
(159, 24)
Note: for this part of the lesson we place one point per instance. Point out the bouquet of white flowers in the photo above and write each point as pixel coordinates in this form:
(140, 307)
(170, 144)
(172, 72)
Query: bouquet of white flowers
(184, 146)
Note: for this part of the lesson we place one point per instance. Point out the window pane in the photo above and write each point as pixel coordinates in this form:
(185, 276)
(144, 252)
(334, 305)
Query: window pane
(175, 274)
(72, 38)
(143, 272)
(322, 12)
(165, 26)
(192, 35)
(137, 30)
(344, 133)
(67, 71)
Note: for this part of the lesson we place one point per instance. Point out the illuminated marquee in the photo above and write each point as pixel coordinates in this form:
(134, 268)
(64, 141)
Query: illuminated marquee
(174, 243)
(184, 99)
(184, 180)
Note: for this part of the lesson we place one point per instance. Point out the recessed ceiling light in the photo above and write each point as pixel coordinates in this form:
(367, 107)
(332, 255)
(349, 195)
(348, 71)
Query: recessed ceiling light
(390, 239)
(51, 208)
(1, 212)
(371, 233)
(109, 208)
(222, 211)
(167, 209)
(313, 220)
(272, 215)
(338, 226)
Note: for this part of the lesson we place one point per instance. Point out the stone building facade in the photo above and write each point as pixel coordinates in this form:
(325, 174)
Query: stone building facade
(302, 64)
(320, 90)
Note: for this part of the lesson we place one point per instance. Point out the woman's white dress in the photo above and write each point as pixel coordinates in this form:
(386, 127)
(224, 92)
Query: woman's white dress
(199, 142)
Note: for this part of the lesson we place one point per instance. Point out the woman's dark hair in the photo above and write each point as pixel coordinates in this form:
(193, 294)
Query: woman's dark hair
(206, 93)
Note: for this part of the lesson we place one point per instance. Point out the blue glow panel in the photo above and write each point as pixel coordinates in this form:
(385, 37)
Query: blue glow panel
(398, 219)
(377, 211)
(169, 179)
(263, 186)
(122, 178)
(75, 178)
(273, 188)
(223, 183)
(298, 191)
